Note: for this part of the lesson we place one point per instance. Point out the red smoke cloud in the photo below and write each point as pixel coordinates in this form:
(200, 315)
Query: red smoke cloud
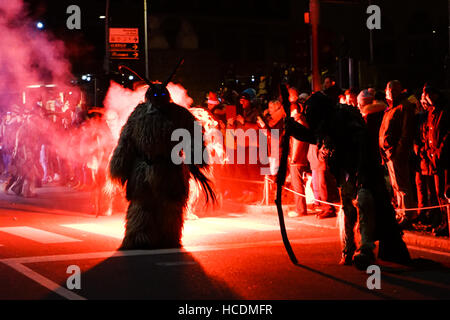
(27, 56)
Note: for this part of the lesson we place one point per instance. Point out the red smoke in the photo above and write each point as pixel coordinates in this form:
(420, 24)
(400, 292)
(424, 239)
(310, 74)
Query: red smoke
(27, 56)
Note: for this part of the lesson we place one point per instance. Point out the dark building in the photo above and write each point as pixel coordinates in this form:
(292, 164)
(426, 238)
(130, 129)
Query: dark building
(240, 39)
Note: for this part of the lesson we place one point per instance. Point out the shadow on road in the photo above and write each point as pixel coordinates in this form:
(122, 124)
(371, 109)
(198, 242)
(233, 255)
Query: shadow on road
(155, 277)
(424, 276)
(345, 282)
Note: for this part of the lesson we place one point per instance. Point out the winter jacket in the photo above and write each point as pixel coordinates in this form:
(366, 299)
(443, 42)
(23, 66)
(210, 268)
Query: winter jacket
(373, 116)
(396, 133)
(434, 140)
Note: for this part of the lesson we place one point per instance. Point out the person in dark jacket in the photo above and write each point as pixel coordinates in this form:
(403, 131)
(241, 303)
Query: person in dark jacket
(396, 145)
(435, 149)
(299, 165)
(372, 111)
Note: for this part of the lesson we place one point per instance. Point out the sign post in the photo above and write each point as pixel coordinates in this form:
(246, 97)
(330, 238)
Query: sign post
(124, 43)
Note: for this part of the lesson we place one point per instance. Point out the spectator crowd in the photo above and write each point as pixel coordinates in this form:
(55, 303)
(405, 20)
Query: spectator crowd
(56, 140)
(53, 140)
(411, 132)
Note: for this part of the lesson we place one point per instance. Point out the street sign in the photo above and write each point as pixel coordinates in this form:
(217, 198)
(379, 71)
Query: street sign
(123, 47)
(123, 35)
(130, 55)
(123, 43)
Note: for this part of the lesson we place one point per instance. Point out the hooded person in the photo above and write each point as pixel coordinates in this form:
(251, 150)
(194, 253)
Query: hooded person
(156, 170)
(343, 139)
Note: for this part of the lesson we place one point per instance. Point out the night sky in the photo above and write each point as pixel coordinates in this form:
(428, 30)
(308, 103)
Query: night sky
(251, 35)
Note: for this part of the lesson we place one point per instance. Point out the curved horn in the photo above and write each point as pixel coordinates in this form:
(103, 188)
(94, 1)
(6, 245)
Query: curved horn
(135, 73)
(173, 72)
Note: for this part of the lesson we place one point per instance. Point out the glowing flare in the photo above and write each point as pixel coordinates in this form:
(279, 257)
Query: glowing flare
(309, 191)
(179, 95)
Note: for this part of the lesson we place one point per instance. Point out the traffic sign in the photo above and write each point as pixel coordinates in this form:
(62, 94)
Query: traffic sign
(127, 55)
(124, 35)
(123, 47)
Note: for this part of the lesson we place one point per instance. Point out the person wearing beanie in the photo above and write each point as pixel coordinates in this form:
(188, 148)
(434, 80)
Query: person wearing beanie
(372, 111)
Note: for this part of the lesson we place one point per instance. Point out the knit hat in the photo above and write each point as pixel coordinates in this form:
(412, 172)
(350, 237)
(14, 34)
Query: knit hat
(304, 96)
(249, 94)
(365, 97)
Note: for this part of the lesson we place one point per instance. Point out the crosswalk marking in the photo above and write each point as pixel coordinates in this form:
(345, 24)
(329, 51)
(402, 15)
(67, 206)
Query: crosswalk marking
(114, 229)
(197, 227)
(204, 226)
(38, 235)
(117, 230)
(241, 223)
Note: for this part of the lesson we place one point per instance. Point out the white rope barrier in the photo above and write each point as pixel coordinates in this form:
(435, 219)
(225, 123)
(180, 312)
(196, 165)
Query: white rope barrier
(321, 201)
(340, 205)
(304, 196)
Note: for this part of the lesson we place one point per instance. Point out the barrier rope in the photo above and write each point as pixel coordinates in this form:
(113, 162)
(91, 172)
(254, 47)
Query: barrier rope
(423, 208)
(304, 196)
(321, 201)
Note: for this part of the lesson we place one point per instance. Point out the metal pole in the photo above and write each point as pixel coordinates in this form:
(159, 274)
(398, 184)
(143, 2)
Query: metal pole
(350, 73)
(106, 62)
(95, 91)
(371, 40)
(314, 8)
(146, 39)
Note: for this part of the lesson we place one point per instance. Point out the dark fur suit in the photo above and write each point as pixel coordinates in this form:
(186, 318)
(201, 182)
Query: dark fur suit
(157, 188)
(343, 139)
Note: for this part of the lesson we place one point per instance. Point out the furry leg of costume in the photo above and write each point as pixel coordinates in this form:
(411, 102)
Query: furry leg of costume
(150, 226)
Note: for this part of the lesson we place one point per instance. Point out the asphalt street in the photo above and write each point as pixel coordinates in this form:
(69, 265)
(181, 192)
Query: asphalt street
(225, 255)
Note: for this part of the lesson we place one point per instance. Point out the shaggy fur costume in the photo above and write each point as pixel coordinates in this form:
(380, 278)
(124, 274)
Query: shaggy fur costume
(343, 139)
(157, 188)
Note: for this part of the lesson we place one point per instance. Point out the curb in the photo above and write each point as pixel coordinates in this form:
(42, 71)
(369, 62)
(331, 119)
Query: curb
(426, 241)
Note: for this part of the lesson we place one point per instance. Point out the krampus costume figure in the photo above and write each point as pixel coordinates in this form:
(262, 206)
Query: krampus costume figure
(342, 136)
(156, 187)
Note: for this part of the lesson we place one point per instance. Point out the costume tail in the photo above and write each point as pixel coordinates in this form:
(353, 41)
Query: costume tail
(204, 182)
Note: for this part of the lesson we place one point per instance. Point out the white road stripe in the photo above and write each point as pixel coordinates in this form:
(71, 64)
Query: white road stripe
(241, 224)
(117, 229)
(45, 282)
(185, 249)
(17, 263)
(196, 227)
(38, 235)
(114, 230)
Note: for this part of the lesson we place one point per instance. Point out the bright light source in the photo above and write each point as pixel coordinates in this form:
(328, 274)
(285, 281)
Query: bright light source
(83, 77)
(88, 78)
(39, 25)
(102, 17)
(131, 77)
